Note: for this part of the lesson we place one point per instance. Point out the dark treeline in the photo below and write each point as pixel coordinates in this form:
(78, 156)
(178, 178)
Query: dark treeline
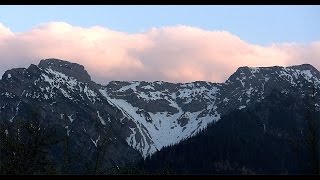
(29, 146)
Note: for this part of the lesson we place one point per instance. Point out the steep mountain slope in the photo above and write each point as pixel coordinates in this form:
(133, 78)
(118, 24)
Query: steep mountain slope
(271, 138)
(166, 113)
(64, 96)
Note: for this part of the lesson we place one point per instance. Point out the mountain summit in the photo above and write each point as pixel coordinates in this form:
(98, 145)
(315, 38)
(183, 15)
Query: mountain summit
(71, 69)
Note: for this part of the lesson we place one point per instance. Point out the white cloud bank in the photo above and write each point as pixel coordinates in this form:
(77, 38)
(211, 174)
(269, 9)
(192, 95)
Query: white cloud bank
(175, 54)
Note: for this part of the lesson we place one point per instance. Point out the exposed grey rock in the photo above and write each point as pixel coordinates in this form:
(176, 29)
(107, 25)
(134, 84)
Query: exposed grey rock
(71, 69)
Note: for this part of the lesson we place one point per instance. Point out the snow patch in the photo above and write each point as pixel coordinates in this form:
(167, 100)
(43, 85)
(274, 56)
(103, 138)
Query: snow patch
(90, 94)
(16, 113)
(148, 87)
(266, 79)
(68, 131)
(131, 139)
(8, 95)
(70, 118)
(132, 86)
(46, 97)
(101, 119)
(254, 70)
(307, 75)
(95, 142)
(248, 92)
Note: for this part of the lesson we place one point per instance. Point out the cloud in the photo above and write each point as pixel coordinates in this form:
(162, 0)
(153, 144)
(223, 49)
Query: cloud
(175, 54)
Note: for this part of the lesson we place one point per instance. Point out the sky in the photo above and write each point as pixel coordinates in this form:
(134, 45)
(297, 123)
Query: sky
(170, 43)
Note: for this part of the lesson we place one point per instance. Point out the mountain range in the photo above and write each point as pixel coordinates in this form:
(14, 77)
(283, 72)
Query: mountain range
(199, 127)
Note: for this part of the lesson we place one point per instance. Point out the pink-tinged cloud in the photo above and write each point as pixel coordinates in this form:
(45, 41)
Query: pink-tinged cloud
(175, 54)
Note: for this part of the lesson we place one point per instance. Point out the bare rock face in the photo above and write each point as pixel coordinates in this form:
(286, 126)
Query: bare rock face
(72, 69)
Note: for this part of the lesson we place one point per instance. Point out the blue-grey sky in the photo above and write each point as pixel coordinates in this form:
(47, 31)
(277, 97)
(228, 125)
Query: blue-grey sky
(170, 43)
(255, 24)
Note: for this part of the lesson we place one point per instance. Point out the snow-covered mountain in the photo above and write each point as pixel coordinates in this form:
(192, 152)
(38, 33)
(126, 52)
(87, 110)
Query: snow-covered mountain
(66, 100)
(145, 116)
(165, 113)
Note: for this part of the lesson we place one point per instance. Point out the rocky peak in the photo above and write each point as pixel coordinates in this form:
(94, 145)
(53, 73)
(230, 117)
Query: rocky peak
(303, 67)
(306, 69)
(246, 73)
(70, 69)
